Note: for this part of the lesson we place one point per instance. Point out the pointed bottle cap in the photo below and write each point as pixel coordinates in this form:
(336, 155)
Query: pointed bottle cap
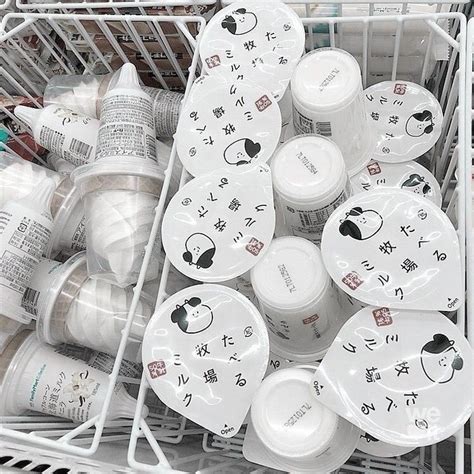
(128, 78)
(28, 115)
(40, 197)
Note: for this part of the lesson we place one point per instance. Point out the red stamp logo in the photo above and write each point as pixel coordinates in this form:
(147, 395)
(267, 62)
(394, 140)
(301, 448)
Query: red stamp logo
(263, 103)
(254, 246)
(399, 88)
(213, 61)
(352, 280)
(382, 317)
(311, 319)
(157, 369)
(373, 168)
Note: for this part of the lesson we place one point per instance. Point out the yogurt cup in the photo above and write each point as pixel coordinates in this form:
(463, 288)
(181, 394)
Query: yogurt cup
(289, 431)
(35, 377)
(300, 306)
(73, 308)
(310, 182)
(120, 197)
(328, 100)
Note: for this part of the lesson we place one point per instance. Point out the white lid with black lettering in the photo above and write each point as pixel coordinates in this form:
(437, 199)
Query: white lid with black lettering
(406, 120)
(390, 247)
(291, 275)
(326, 80)
(259, 42)
(410, 176)
(289, 431)
(219, 225)
(309, 169)
(399, 375)
(227, 124)
(204, 353)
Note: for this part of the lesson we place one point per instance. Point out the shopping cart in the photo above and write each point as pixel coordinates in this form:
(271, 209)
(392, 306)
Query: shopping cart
(167, 440)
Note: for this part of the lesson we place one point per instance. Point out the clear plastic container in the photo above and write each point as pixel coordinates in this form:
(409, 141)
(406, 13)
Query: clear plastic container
(119, 198)
(73, 308)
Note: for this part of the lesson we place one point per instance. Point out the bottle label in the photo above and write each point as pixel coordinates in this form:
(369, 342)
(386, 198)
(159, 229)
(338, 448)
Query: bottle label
(24, 236)
(105, 363)
(57, 385)
(166, 107)
(127, 128)
(71, 136)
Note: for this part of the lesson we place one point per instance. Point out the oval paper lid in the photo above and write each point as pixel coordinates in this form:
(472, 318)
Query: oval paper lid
(256, 41)
(399, 375)
(406, 119)
(393, 248)
(205, 352)
(409, 176)
(227, 124)
(219, 225)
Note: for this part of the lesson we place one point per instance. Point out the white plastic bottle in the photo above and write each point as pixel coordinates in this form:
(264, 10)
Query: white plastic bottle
(127, 126)
(33, 376)
(70, 135)
(25, 228)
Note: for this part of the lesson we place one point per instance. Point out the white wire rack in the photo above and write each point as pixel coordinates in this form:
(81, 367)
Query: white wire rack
(25, 69)
(470, 194)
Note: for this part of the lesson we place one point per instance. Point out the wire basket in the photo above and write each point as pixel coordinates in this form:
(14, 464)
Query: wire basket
(30, 56)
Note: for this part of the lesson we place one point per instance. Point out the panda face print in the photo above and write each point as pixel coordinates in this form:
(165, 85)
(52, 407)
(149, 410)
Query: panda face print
(417, 184)
(192, 317)
(440, 359)
(360, 224)
(419, 124)
(241, 152)
(200, 250)
(240, 22)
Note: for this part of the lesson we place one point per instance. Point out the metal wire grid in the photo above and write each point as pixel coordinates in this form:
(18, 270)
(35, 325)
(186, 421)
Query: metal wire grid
(469, 149)
(23, 64)
(446, 156)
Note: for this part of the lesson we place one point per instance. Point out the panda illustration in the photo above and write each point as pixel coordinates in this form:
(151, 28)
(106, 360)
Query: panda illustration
(192, 316)
(200, 250)
(420, 124)
(417, 185)
(240, 22)
(360, 224)
(241, 152)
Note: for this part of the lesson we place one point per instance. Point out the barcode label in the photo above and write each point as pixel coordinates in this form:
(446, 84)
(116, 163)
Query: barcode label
(30, 301)
(324, 129)
(80, 148)
(301, 123)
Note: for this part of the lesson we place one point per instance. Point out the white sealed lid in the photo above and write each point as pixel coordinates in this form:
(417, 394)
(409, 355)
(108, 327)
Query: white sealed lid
(309, 168)
(291, 274)
(326, 79)
(286, 417)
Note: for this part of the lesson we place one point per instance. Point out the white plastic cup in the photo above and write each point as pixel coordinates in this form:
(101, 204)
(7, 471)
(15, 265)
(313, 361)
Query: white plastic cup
(328, 100)
(120, 198)
(33, 376)
(70, 135)
(25, 228)
(73, 308)
(295, 428)
(310, 182)
(127, 124)
(300, 305)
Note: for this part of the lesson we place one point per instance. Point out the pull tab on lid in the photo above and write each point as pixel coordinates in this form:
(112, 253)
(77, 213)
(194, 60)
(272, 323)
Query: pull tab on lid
(28, 115)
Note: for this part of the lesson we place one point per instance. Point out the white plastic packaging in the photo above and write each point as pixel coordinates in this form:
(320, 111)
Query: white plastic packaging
(59, 164)
(127, 126)
(310, 182)
(300, 306)
(84, 94)
(292, 431)
(35, 377)
(25, 228)
(70, 135)
(327, 99)
(73, 308)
